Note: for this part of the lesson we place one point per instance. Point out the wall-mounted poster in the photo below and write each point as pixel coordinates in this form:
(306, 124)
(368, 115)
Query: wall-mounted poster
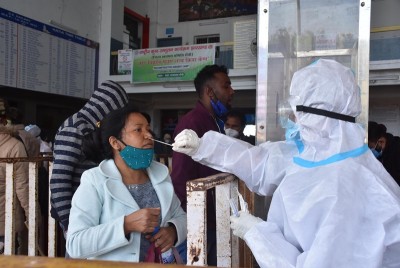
(180, 63)
(212, 9)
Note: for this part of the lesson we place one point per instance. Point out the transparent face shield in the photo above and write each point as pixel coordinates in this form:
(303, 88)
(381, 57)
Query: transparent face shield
(285, 113)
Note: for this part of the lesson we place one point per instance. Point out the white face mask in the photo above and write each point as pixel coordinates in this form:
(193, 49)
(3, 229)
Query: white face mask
(231, 132)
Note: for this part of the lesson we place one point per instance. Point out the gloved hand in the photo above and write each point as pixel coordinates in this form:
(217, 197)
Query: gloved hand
(240, 225)
(186, 142)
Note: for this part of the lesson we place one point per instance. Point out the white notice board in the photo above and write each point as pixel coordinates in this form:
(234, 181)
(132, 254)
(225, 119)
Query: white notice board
(40, 57)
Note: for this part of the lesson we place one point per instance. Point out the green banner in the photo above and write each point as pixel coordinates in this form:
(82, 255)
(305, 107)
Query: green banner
(171, 63)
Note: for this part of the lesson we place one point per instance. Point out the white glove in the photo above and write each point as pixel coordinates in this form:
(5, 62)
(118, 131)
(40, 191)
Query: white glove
(186, 142)
(240, 225)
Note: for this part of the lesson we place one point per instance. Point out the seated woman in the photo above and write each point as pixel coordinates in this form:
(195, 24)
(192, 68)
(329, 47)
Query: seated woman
(128, 201)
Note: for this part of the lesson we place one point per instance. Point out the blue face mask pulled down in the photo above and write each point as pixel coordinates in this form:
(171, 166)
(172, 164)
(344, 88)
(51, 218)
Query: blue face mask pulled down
(219, 108)
(376, 153)
(292, 131)
(137, 158)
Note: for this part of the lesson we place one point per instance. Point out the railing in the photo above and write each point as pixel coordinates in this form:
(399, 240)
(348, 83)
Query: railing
(225, 186)
(34, 248)
(43, 262)
(227, 245)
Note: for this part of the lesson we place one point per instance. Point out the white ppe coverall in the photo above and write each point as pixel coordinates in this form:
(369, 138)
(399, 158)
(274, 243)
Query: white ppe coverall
(334, 204)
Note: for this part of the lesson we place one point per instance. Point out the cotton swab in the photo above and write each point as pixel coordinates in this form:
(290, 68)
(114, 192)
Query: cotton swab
(243, 204)
(161, 142)
(233, 206)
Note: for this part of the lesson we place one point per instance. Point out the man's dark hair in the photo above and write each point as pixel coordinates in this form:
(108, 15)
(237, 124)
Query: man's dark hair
(15, 115)
(237, 114)
(375, 131)
(206, 74)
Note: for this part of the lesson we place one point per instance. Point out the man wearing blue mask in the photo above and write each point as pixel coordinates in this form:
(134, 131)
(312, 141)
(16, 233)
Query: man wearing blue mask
(376, 133)
(333, 204)
(213, 87)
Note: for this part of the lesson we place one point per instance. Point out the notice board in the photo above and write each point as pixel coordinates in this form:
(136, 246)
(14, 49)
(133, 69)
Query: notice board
(43, 58)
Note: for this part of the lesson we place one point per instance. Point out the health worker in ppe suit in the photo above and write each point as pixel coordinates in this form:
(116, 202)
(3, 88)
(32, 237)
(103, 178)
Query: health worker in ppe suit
(333, 204)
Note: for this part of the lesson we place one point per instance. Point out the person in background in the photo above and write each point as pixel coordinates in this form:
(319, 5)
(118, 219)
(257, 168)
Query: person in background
(167, 139)
(385, 148)
(391, 156)
(69, 161)
(34, 130)
(333, 204)
(215, 93)
(376, 134)
(11, 147)
(121, 202)
(32, 145)
(3, 117)
(163, 149)
(234, 126)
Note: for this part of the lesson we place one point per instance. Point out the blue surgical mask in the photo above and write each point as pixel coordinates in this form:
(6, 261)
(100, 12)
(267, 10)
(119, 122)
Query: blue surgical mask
(376, 153)
(219, 108)
(292, 131)
(137, 158)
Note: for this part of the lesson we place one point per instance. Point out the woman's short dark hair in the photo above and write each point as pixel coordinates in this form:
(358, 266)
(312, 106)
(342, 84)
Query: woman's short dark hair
(112, 125)
(95, 145)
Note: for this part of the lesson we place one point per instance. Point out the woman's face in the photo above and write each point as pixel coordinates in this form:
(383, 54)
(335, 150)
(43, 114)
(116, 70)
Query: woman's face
(137, 132)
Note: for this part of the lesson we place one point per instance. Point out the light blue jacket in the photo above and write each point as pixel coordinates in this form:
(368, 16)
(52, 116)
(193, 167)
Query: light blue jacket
(96, 222)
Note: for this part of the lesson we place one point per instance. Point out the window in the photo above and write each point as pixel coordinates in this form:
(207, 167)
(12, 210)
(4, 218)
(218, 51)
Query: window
(205, 39)
(169, 42)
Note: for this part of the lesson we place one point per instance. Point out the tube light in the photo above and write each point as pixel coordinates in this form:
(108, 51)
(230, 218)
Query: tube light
(213, 22)
(63, 27)
(383, 77)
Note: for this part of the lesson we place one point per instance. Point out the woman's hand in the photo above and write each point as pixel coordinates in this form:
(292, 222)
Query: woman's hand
(165, 238)
(142, 221)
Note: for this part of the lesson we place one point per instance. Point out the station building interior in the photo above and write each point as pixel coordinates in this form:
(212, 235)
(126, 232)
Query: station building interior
(237, 31)
(116, 25)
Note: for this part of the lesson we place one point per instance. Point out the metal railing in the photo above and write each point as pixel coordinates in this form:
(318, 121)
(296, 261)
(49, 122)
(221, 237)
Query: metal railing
(225, 186)
(227, 245)
(33, 219)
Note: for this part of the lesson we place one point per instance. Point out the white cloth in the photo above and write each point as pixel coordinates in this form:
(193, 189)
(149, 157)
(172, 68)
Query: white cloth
(45, 147)
(34, 130)
(345, 213)
(96, 222)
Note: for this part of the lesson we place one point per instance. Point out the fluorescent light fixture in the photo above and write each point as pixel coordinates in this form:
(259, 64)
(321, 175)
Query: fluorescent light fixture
(63, 27)
(178, 86)
(383, 77)
(214, 22)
